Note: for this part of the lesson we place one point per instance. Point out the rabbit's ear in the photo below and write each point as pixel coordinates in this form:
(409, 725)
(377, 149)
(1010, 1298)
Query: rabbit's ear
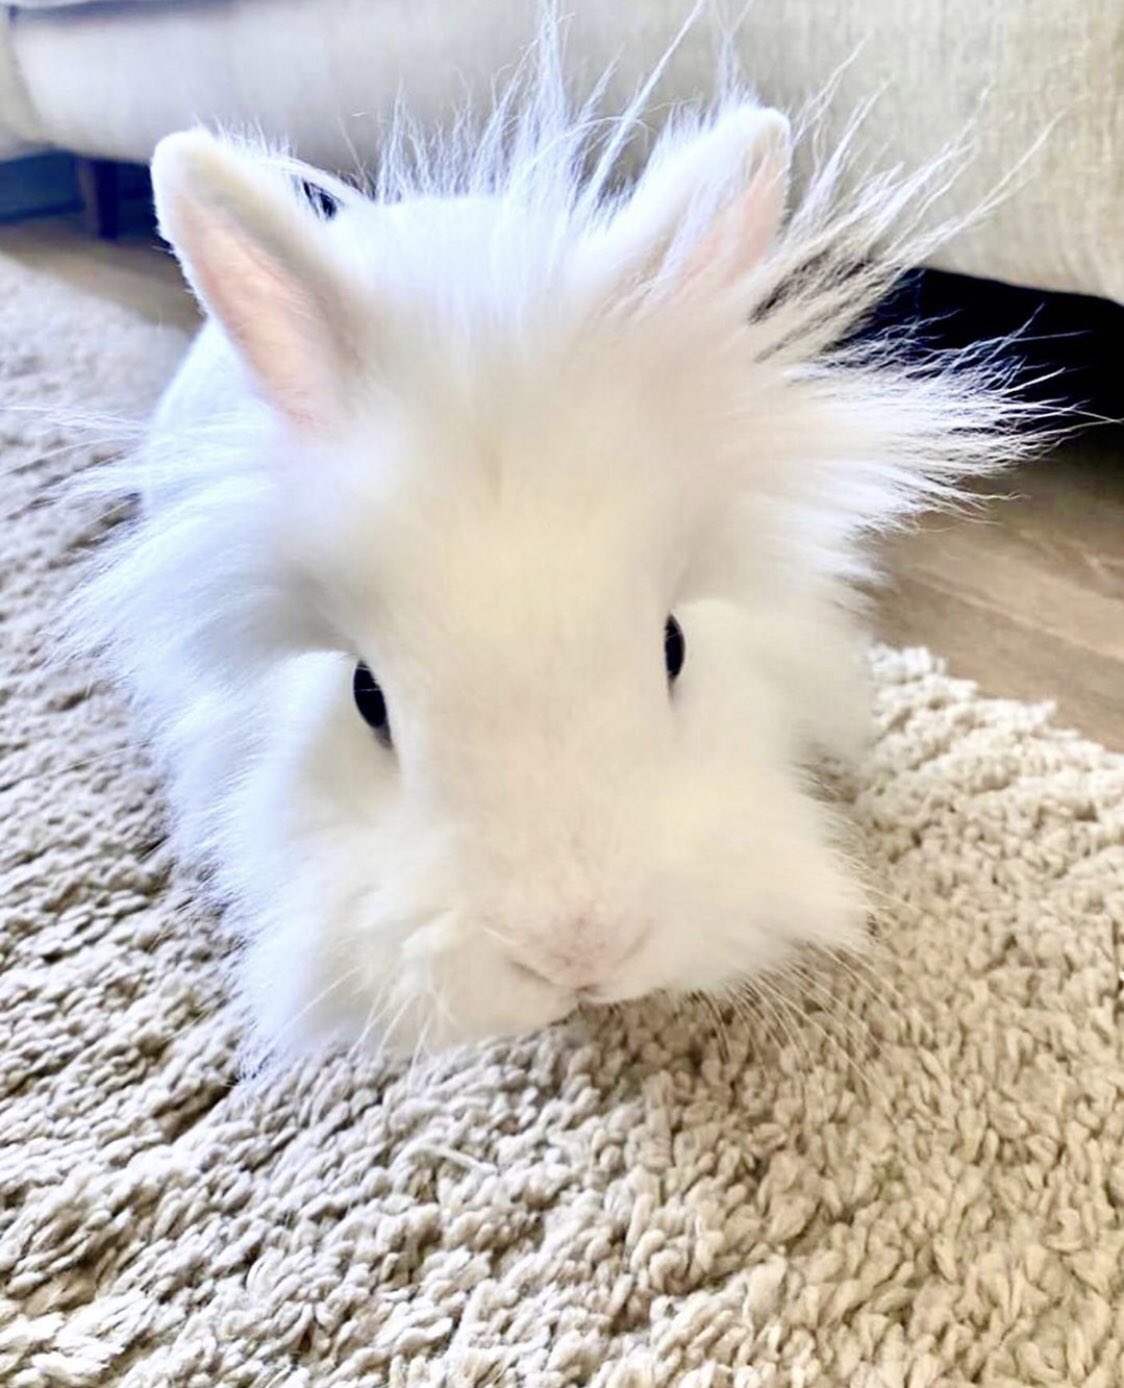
(708, 204)
(254, 255)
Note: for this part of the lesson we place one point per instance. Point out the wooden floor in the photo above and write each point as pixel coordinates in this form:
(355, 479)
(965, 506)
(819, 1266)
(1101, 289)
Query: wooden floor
(132, 271)
(1026, 595)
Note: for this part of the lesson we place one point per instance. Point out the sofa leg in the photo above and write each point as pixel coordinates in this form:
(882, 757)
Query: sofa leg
(98, 187)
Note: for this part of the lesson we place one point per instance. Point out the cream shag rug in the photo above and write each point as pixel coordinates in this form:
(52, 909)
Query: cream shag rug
(916, 1181)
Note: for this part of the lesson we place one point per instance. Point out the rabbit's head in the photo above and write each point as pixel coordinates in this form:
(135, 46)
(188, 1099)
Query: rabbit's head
(517, 604)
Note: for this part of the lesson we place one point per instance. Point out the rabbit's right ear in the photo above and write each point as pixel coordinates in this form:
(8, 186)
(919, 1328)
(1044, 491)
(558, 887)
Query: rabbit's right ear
(253, 252)
(708, 207)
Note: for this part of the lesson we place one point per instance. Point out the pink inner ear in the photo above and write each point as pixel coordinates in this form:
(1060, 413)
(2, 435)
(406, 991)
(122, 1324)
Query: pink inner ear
(742, 232)
(272, 319)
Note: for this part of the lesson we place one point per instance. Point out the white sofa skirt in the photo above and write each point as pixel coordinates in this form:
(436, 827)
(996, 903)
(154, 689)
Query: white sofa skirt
(1037, 84)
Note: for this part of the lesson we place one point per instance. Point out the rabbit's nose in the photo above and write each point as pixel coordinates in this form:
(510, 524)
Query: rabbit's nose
(581, 959)
(557, 970)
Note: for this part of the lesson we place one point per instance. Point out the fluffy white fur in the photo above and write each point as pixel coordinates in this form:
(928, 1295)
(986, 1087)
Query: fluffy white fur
(485, 429)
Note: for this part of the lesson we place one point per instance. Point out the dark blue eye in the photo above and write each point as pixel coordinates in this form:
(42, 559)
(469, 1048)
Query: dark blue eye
(370, 702)
(674, 648)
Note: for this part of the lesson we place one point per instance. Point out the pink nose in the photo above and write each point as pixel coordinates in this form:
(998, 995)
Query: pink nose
(581, 962)
(560, 971)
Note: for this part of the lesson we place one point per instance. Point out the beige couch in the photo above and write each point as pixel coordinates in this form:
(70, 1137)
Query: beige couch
(110, 79)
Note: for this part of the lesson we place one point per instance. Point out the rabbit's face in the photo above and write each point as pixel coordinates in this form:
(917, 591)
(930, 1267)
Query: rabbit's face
(538, 747)
(546, 765)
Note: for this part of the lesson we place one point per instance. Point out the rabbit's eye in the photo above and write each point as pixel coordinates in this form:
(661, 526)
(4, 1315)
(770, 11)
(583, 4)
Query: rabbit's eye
(370, 702)
(674, 648)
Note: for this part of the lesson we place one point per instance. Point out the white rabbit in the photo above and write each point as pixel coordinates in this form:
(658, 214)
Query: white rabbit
(582, 479)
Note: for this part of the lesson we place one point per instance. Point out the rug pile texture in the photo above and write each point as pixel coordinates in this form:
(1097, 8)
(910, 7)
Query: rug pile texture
(905, 1173)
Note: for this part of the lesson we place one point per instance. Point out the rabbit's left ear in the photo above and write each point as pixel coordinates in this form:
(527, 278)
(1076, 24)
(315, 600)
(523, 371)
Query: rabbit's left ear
(254, 253)
(710, 204)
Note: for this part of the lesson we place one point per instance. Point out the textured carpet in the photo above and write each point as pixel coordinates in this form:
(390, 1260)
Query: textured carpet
(914, 1181)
